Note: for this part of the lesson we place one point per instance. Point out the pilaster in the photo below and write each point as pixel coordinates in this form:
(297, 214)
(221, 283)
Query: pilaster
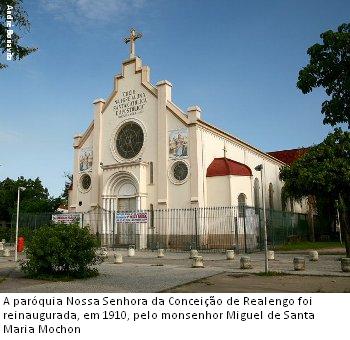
(96, 145)
(164, 95)
(194, 113)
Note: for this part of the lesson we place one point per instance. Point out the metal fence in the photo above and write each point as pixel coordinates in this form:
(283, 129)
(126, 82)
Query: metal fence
(216, 228)
(211, 228)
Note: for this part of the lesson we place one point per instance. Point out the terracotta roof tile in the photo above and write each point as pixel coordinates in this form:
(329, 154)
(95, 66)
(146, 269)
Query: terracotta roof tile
(288, 156)
(225, 166)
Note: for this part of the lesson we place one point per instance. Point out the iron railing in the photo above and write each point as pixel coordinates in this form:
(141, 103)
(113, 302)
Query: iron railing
(210, 228)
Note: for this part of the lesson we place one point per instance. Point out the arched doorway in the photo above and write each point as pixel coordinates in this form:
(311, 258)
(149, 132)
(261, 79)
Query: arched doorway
(121, 196)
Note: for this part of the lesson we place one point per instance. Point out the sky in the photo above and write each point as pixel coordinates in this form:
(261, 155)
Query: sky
(237, 60)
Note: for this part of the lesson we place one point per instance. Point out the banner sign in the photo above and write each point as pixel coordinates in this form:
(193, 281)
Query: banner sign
(131, 217)
(66, 218)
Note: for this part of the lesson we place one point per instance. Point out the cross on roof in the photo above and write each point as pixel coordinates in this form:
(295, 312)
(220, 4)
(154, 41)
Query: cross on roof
(133, 36)
(225, 150)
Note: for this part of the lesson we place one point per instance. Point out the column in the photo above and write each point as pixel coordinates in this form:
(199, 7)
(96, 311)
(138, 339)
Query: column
(138, 202)
(103, 215)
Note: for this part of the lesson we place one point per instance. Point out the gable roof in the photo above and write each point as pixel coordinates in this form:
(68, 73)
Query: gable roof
(288, 156)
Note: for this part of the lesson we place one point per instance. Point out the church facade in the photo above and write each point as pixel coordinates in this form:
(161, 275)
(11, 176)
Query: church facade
(141, 151)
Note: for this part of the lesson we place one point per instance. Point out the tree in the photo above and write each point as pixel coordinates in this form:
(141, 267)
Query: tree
(324, 171)
(329, 67)
(35, 199)
(67, 185)
(19, 19)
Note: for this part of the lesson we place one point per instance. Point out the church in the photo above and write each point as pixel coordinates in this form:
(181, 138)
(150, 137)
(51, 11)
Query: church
(142, 152)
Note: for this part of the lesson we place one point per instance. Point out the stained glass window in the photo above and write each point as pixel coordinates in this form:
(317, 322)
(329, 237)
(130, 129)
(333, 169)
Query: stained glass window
(129, 140)
(180, 171)
(85, 181)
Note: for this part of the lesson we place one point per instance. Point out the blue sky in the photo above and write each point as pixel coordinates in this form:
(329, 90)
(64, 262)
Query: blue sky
(237, 60)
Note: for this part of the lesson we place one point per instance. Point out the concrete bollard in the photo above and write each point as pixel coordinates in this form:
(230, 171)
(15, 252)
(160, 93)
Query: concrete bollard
(270, 255)
(198, 262)
(118, 258)
(7, 252)
(131, 251)
(245, 262)
(193, 253)
(104, 252)
(345, 264)
(1, 246)
(299, 263)
(160, 253)
(313, 255)
(230, 254)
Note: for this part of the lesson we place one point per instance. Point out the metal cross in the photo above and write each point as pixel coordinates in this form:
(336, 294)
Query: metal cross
(225, 150)
(131, 39)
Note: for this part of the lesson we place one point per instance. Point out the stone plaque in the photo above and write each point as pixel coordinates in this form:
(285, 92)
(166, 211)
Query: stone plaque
(129, 103)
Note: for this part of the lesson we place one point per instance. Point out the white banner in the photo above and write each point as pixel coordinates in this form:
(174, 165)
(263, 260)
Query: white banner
(66, 218)
(131, 217)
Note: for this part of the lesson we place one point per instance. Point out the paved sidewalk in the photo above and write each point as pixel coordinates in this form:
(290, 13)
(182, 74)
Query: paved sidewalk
(146, 273)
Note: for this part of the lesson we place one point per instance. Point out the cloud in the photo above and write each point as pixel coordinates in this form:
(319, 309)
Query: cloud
(88, 11)
(9, 137)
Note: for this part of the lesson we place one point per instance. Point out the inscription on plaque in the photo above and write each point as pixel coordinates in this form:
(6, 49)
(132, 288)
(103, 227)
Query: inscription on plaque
(130, 103)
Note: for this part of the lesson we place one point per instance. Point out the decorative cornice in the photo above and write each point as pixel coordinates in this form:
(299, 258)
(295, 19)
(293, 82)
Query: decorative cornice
(85, 135)
(177, 112)
(122, 165)
(224, 134)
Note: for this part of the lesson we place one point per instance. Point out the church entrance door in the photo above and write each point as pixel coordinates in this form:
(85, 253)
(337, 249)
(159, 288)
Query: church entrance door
(127, 204)
(127, 231)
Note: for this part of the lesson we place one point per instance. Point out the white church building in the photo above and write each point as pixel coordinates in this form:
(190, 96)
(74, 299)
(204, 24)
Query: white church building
(142, 152)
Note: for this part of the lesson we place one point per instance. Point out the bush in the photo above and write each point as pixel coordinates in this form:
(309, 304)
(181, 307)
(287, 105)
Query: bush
(5, 233)
(61, 251)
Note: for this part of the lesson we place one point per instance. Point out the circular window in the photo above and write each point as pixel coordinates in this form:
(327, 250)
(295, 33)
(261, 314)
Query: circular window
(180, 171)
(129, 140)
(85, 181)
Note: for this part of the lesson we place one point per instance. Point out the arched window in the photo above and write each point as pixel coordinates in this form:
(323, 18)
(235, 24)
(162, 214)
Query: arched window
(271, 196)
(241, 204)
(256, 196)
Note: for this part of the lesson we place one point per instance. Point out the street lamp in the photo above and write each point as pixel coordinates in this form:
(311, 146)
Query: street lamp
(18, 196)
(261, 169)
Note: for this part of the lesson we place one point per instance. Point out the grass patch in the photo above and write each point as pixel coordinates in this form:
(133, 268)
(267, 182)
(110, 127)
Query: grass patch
(65, 277)
(308, 245)
(2, 279)
(271, 273)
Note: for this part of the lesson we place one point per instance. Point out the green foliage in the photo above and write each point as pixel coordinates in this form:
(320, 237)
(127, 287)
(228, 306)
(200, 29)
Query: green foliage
(308, 246)
(329, 67)
(61, 251)
(5, 233)
(67, 185)
(323, 170)
(35, 199)
(19, 21)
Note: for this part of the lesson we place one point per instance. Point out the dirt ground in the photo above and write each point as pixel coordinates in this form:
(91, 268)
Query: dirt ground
(248, 283)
